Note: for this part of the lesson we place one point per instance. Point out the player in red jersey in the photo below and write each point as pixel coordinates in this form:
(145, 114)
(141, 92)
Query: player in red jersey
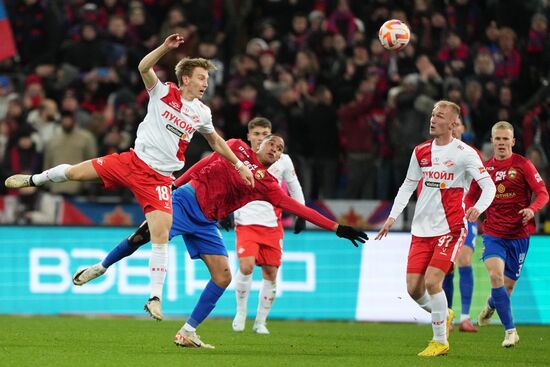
(173, 115)
(209, 191)
(445, 167)
(508, 224)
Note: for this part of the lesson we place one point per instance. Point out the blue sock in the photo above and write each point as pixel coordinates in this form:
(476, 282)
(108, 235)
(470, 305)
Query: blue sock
(491, 303)
(466, 288)
(210, 295)
(449, 288)
(118, 253)
(502, 303)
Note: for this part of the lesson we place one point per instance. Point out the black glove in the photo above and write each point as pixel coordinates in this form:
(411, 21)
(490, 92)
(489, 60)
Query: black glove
(351, 234)
(299, 225)
(227, 223)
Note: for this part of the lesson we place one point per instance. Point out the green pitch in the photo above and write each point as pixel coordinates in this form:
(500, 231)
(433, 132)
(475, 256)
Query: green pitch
(81, 342)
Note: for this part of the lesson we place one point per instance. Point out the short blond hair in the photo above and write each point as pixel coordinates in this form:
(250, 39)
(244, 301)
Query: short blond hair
(187, 65)
(448, 104)
(502, 125)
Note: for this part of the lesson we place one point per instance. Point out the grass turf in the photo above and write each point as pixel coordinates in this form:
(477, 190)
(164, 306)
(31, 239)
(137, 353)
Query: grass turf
(78, 341)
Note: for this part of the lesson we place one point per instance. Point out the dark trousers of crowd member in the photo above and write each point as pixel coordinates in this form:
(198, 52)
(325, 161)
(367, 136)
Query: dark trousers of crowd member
(324, 178)
(361, 173)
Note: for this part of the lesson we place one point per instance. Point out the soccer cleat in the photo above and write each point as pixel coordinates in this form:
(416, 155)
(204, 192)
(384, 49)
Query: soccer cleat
(190, 339)
(260, 329)
(84, 275)
(511, 338)
(450, 318)
(239, 322)
(435, 349)
(18, 181)
(467, 326)
(485, 315)
(154, 308)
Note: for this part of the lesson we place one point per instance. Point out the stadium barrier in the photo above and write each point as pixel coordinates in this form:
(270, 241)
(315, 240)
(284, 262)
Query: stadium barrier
(322, 277)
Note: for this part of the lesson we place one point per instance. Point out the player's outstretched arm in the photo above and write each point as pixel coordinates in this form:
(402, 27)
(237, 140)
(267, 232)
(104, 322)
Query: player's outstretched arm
(287, 203)
(220, 146)
(146, 64)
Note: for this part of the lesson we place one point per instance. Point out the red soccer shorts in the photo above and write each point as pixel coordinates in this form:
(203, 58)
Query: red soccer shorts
(439, 251)
(152, 190)
(264, 243)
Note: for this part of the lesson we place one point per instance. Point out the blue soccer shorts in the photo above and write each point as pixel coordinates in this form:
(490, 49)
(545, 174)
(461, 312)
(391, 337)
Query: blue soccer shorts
(470, 240)
(201, 235)
(512, 252)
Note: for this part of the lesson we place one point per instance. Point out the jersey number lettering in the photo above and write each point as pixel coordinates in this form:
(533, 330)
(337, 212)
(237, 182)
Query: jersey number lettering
(444, 240)
(163, 192)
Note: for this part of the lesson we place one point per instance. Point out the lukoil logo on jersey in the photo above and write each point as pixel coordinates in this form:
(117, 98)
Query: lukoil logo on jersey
(187, 127)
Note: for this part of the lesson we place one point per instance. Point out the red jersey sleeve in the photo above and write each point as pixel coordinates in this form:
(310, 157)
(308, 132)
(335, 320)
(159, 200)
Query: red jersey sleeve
(536, 183)
(279, 199)
(186, 177)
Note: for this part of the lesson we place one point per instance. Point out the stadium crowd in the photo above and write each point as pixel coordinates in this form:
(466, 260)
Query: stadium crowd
(350, 111)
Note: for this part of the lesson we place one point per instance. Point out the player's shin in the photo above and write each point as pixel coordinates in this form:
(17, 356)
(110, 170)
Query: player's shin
(158, 263)
(425, 302)
(504, 309)
(466, 290)
(207, 301)
(242, 290)
(267, 296)
(448, 288)
(439, 317)
(55, 174)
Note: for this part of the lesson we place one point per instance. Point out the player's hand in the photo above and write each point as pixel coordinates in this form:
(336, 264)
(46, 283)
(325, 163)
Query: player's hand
(299, 225)
(227, 223)
(527, 214)
(246, 175)
(173, 41)
(385, 228)
(472, 214)
(351, 234)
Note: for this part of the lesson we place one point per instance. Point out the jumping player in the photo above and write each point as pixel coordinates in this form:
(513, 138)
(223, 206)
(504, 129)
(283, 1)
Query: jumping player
(173, 115)
(211, 190)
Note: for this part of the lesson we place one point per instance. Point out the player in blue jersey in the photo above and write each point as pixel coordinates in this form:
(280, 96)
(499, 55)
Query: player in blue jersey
(464, 262)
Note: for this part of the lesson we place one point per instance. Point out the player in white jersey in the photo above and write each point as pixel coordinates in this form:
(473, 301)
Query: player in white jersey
(444, 168)
(259, 233)
(173, 115)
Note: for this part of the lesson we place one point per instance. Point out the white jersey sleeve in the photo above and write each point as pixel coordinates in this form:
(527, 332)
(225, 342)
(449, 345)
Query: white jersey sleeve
(263, 213)
(289, 176)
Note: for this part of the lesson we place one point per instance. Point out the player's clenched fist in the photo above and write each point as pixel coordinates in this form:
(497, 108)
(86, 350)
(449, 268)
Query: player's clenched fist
(173, 41)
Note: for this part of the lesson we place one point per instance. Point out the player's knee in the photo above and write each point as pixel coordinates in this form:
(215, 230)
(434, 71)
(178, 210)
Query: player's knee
(414, 291)
(246, 269)
(222, 279)
(496, 277)
(141, 236)
(73, 174)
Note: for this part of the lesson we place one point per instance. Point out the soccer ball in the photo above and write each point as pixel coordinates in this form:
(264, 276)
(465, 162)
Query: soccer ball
(394, 35)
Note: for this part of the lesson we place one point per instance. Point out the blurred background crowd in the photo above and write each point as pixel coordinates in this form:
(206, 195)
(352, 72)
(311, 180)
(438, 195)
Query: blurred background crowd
(350, 111)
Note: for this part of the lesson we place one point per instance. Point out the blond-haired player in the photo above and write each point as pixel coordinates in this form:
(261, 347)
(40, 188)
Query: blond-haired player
(442, 169)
